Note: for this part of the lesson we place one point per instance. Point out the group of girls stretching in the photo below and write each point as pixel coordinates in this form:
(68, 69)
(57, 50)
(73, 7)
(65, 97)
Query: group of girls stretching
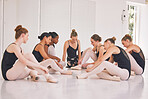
(110, 62)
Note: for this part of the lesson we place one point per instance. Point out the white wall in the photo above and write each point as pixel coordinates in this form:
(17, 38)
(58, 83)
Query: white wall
(55, 16)
(62, 16)
(24, 12)
(143, 35)
(1, 29)
(138, 1)
(83, 20)
(1, 16)
(108, 19)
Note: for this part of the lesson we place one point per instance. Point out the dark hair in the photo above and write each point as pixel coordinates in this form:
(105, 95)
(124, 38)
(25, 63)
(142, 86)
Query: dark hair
(96, 37)
(112, 40)
(127, 36)
(20, 30)
(43, 35)
(73, 33)
(53, 34)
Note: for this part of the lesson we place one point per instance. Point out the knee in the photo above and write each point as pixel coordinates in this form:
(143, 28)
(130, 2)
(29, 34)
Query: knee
(62, 63)
(50, 60)
(104, 62)
(89, 49)
(89, 52)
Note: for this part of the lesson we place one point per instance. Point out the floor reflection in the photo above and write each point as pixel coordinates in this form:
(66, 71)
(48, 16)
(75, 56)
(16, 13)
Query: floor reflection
(70, 88)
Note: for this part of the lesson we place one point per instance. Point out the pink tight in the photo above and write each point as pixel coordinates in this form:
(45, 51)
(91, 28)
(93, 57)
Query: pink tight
(111, 69)
(20, 70)
(87, 54)
(134, 65)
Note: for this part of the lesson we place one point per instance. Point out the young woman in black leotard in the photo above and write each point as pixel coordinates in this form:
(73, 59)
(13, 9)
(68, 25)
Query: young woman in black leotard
(136, 55)
(72, 47)
(118, 55)
(42, 57)
(17, 65)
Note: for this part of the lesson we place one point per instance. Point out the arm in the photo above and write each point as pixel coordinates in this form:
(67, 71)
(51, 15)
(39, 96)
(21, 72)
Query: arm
(109, 52)
(130, 48)
(111, 59)
(101, 51)
(133, 48)
(65, 50)
(22, 59)
(50, 56)
(40, 48)
(94, 49)
(46, 48)
(79, 50)
(44, 54)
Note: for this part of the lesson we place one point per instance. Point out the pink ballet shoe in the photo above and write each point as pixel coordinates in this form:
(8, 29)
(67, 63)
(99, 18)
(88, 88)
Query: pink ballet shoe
(82, 76)
(51, 79)
(67, 72)
(115, 78)
(78, 67)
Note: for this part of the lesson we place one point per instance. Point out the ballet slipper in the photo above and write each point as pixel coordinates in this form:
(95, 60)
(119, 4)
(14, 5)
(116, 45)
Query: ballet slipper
(78, 67)
(116, 78)
(51, 79)
(67, 72)
(82, 76)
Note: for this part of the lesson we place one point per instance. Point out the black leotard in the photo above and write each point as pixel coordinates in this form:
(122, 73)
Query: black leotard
(7, 62)
(123, 60)
(37, 54)
(72, 57)
(140, 59)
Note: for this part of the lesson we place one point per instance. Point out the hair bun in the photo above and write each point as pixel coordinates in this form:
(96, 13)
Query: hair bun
(127, 35)
(73, 30)
(39, 37)
(18, 28)
(114, 38)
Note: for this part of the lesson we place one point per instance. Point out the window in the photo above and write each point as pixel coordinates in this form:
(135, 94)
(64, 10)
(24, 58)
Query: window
(133, 22)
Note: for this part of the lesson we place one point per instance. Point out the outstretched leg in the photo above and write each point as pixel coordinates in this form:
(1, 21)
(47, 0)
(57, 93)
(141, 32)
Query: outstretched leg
(111, 68)
(53, 65)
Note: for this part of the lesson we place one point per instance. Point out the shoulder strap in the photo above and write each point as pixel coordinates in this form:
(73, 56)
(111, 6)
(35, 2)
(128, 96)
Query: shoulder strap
(68, 43)
(15, 44)
(36, 45)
